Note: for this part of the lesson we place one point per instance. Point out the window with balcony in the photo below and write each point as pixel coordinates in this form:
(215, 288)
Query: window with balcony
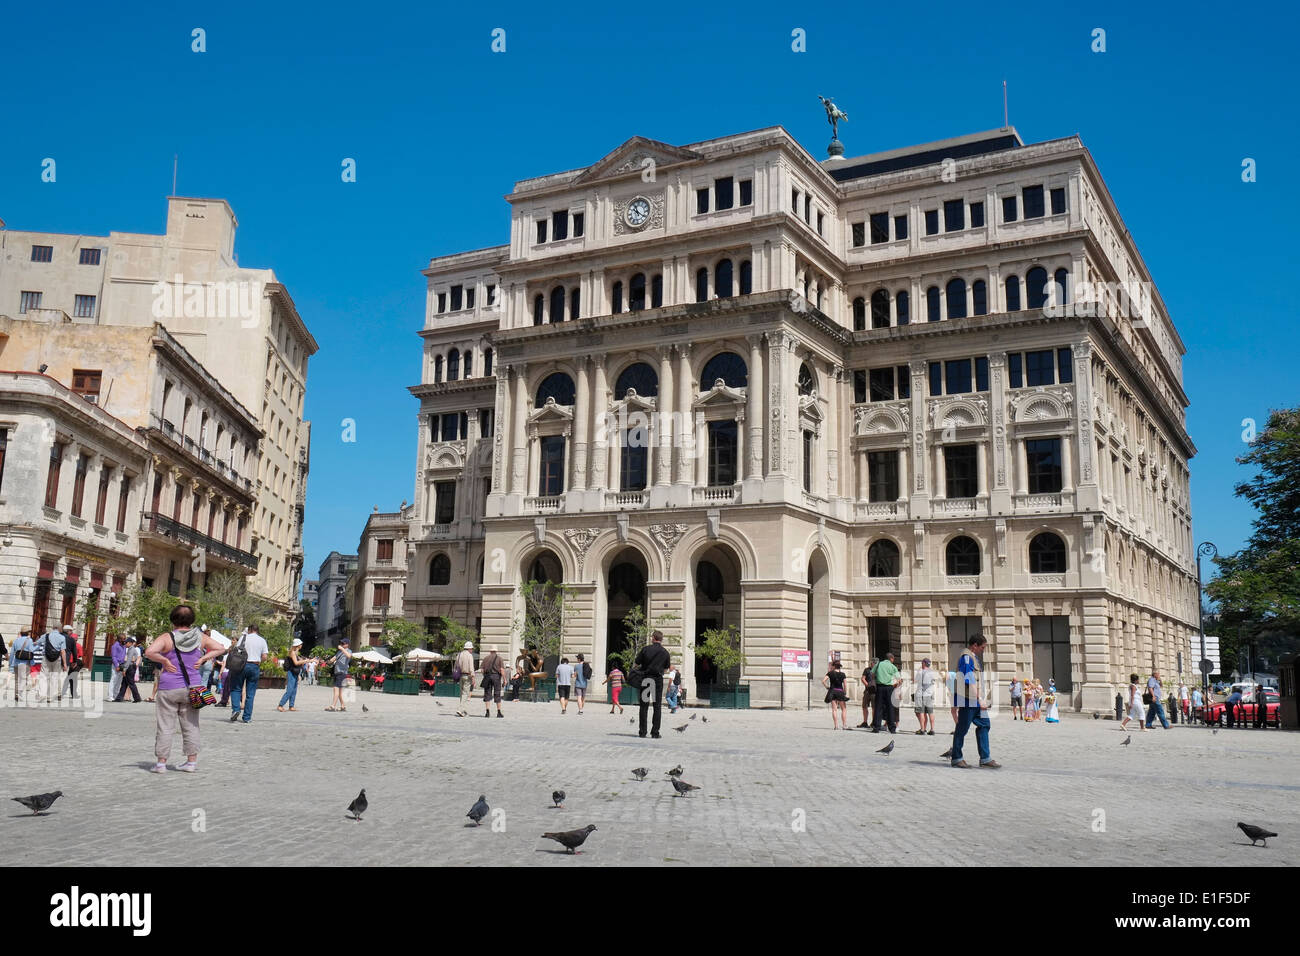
(444, 502)
(551, 472)
(101, 499)
(960, 471)
(633, 460)
(384, 549)
(1043, 465)
(722, 452)
(79, 484)
(86, 382)
(882, 476)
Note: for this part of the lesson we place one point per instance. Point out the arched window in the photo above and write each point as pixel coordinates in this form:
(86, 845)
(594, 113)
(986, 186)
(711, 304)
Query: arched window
(980, 293)
(746, 278)
(636, 293)
(859, 314)
(616, 298)
(902, 302)
(805, 382)
(453, 365)
(729, 367)
(1062, 286)
(883, 559)
(1013, 293)
(1036, 287)
(437, 368)
(708, 581)
(963, 556)
(575, 303)
(657, 291)
(701, 285)
(558, 386)
(956, 295)
(639, 376)
(539, 308)
(469, 364)
(557, 304)
(487, 362)
(1046, 554)
(722, 279)
(932, 309)
(440, 570)
(880, 309)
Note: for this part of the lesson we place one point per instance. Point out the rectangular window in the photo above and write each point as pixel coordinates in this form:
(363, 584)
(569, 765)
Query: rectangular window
(904, 382)
(982, 374)
(487, 490)
(469, 297)
(123, 496)
(1013, 370)
(456, 293)
(29, 301)
(1064, 366)
(976, 215)
(879, 227)
(84, 307)
(52, 476)
(1008, 208)
(859, 234)
(932, 222)
(1040, 368)
(1051, 644)
(722, 453)
(960, 475)
(79, 484)
(633, 462)
(807, 209)
(442, 302)
(485, 422)
(85, 382)
(384, 549)
(957, 376)
(89, 257)
(794, 201)
(541, 231)
(882, 384)
(433, 427)
(579, 223)
(551, 477)
(492, 290)
(1058, 201)
(449, 426)
(1043, 465)
(381, 595)
(859, 385)
(954, 215)
(444, 502)
(747, 192)
(1032, 196)
(101, 499)
(702, 200)
(936, 378)
(42, 253)
(4, 446)
(807, 460)
(560, 225)
(882, 476)
(724, 191)
(900, 227)
(821, 220)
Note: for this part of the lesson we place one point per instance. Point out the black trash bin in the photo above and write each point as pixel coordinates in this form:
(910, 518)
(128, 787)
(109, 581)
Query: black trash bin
(1119, 706)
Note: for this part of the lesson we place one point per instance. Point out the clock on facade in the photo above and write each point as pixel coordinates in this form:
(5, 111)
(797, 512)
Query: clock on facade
(637, 213)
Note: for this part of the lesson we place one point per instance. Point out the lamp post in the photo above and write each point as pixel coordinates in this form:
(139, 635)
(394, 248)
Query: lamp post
(1208, 549)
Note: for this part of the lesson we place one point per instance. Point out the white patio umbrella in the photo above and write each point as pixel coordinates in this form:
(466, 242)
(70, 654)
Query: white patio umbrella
(373, 656)
(420, 654)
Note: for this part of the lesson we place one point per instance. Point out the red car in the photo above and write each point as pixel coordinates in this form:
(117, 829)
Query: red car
(1218, 711)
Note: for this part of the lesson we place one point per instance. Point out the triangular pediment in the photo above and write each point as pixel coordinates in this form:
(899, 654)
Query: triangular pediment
(720, 394)
(630, 158)
(633, 402)
(810, 408)
(550, 412)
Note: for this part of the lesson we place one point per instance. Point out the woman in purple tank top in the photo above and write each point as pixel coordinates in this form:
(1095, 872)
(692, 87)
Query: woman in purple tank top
(179, 654)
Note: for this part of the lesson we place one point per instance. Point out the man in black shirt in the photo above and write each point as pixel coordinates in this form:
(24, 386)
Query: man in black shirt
(652, 661)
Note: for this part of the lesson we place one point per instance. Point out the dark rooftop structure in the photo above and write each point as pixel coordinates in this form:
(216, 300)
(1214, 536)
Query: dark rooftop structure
(926, 154)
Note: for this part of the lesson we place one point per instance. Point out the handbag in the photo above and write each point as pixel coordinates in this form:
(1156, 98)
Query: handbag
(200, 697)
(1148, 699)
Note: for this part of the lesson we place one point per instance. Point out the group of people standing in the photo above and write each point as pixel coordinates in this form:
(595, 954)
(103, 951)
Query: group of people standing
(50, 663)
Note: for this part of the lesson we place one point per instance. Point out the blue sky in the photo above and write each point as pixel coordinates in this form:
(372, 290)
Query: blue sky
(441, 128)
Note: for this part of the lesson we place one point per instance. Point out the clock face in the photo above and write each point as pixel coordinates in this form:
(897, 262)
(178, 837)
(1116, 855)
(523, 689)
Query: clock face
(638, 212)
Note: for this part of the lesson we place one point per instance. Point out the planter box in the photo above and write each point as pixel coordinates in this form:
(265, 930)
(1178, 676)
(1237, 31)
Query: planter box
(729, 697)
(544, 691)
(402, 684)
(627, 696)
(447, 688)
(271, 683)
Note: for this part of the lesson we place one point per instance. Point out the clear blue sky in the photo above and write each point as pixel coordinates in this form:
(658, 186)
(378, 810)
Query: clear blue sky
(441, 128)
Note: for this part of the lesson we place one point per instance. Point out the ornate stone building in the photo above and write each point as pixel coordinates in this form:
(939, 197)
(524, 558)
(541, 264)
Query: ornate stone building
(868, 404)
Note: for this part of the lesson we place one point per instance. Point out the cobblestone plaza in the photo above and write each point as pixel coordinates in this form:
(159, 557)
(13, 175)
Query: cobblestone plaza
(775, 788)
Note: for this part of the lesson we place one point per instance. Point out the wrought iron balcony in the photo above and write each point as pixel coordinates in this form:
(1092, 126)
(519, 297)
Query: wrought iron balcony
(155, 523)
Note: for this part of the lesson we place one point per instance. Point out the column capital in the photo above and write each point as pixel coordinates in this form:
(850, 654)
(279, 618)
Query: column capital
(756, 340)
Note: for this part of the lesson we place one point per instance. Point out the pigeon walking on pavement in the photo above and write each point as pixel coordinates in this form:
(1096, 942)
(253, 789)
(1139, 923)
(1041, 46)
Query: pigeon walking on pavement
(365, 709)
(682, 787)
(479, 810)
(887, 749)
(681, 729)
(571, 839)
(358, 806)
(558, 797)
(675, 772)
(705, 719)
(39, 803)
(693, 716)
(946, 753)
(1255, 833)
(640, 773)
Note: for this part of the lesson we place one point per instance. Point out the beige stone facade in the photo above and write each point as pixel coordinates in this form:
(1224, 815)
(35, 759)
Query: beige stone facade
(855, 406)
(378, 584)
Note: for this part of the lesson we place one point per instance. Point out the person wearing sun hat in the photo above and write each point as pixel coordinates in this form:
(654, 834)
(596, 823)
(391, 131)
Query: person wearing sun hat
(465, 665)
(293, 665)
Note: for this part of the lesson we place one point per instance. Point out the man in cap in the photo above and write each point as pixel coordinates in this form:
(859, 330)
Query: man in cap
(465, 665)
(923, 702)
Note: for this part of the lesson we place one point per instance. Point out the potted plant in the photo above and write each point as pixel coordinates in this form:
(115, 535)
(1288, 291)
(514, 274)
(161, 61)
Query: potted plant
(637, 630)
(722, 648)
(547, 608)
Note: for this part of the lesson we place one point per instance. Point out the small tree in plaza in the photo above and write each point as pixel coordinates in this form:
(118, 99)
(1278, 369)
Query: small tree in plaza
(141, 610)
(402, 636)
(454, 636)
(546, 608)
(638, 629)
(722, 647)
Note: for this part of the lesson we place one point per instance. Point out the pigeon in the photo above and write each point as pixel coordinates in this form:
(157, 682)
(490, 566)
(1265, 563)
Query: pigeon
(946, 753)
(571, 839)
(887, 749)
(693, 716)
(1127, 740)
(682, 787)
(640, 773)
(675, 772)
(40, 802)
(631, 720)
(1096, 716)
(705, 719)
(438, 702)
(479, 810)
(681, 729)
(365, 709)
(358, 806)
(1255, 833)
(558, 797)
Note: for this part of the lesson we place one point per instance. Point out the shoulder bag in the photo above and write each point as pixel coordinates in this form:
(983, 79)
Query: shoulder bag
(200, 697)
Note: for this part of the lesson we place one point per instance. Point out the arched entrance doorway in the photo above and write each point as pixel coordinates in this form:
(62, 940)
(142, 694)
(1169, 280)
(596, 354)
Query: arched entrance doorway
(543, 606)
(716, 573)
(819, 609)
(625, 589)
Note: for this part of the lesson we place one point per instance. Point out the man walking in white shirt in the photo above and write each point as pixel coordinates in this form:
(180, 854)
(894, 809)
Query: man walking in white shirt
(246, 678)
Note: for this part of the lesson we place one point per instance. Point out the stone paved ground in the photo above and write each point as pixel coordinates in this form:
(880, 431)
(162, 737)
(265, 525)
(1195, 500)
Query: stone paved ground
(274, 791)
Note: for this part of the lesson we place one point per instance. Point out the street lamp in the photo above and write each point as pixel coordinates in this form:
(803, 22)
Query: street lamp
(1208, 549)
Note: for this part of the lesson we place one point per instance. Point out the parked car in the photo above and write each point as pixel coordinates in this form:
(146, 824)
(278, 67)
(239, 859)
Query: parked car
(1218, 710)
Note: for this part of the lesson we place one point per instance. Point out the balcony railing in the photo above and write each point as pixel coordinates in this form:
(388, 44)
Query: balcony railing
(625, 499)
(162, 525)
(440, 530)
(168, 431)
(544, 502)
(715, 493)
(881, 509)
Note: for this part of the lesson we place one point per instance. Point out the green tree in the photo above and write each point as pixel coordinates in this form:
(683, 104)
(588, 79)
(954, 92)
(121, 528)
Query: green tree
(226, 603)
(547, 609)
(638, 630)
(722, 646)
(402, 636)
(141, 611)
(277, 635)
(454, 636)
(304, 625)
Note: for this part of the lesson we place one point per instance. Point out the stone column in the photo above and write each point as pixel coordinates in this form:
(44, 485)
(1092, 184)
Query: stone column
(702, 458)
(1067, 464)
(940, 488)
(1022, 467)
(982, 466)
(518, 440)
(830, 437)
(776, 412)
(754, 408)
(664, 456)
(600, 436)
(683, 427)
(902, 474)
(862, 475)
(581, 413)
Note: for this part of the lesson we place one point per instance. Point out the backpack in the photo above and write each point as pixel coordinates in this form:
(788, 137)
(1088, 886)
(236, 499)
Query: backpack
(237, 658)
(74, 659)
(51, 652)
(586, 670)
